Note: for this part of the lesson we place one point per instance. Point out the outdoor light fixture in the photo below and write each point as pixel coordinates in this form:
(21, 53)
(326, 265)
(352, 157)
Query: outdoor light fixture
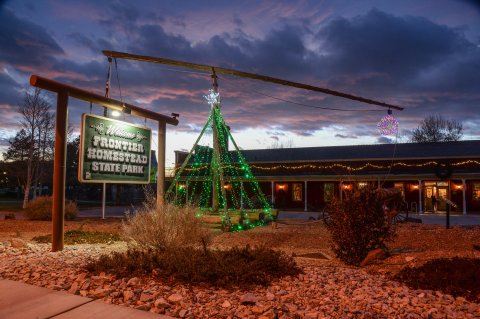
(126, 109)
(388, 125)
(115, 113)
(458, 186)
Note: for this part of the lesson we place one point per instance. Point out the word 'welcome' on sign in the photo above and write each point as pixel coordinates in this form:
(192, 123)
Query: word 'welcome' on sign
(113, 151)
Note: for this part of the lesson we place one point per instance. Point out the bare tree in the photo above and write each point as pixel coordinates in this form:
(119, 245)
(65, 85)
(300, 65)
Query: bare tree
(437, 129)
(38, 124)
(277, 144)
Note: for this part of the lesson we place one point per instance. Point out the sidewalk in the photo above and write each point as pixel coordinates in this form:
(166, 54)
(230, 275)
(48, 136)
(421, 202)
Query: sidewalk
(434, 219)
(22, 301)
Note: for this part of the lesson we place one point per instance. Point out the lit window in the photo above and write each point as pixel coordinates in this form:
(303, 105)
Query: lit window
(476, 191)
(328, 192)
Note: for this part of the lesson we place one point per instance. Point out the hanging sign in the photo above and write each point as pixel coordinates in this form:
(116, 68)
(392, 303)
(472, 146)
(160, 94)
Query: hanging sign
(113, 151)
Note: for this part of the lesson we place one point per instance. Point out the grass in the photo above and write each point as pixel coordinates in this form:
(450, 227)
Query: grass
(73, 237)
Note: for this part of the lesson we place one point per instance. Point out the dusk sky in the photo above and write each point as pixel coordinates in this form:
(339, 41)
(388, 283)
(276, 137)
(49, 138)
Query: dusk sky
(423, 55)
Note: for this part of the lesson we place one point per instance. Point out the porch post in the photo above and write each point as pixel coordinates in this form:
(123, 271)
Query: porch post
(420, 206)
(306, 196)
(464, 193)
(341, 190)
(273, 192)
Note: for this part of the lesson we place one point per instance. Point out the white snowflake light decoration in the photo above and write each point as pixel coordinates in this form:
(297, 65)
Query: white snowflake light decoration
(212, 97)
(388, 125)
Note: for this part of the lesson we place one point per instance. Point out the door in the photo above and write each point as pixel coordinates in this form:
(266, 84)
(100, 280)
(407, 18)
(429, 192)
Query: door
(442, 193)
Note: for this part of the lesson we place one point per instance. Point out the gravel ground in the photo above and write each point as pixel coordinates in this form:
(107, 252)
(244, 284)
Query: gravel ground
(327, 289)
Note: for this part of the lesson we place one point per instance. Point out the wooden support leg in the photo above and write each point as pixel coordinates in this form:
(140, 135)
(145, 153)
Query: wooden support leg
(59, 165)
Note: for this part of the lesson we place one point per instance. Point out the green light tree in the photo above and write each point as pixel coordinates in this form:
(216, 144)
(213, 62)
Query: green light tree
(216, 179)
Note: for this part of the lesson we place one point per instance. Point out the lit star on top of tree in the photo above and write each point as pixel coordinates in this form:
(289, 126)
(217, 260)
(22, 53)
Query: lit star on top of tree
(212, 97)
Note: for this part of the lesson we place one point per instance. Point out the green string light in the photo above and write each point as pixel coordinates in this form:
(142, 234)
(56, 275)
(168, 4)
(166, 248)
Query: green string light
(206, 168)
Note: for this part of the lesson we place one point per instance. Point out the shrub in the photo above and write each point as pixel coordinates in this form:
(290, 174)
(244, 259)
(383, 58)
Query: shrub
(456, 276)
(41, 209)
(358, 223)
(166, 227)
(233, 267)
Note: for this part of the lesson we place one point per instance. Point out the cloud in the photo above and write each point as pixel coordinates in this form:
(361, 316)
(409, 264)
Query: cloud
(379, 50)
(9, 89)
(25, 43)
(346, 136)
(405, 60)
(385, 140)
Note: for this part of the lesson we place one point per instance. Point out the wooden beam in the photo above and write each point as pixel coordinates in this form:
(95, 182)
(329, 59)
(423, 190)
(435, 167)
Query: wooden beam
(265, 78)
(75, 92)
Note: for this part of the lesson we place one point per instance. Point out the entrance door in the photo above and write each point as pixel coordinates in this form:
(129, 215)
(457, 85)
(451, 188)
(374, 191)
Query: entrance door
(430, 190)
(442, 192)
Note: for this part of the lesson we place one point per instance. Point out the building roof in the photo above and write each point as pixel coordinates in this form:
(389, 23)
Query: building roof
(436, 150)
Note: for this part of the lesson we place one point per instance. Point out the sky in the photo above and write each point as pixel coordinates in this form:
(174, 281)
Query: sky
(423, 55)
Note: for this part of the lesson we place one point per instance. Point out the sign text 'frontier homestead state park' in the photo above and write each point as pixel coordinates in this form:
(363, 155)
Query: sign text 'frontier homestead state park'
(113, 151)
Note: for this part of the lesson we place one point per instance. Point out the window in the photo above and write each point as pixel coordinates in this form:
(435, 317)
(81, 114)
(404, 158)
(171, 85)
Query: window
(400, 187)
(297, 192)
(476, 191)
(328, 192)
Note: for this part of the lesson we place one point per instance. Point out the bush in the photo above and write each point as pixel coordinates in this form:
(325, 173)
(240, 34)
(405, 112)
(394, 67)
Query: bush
(359, 224)
(233, 267)
(41, 209)
(456, 276)
(165, 228)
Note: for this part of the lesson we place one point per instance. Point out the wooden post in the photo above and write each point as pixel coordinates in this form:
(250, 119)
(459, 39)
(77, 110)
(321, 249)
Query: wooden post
(306, 197)
(464, 195)
(59, 172)
(273, 192)
(162, 128)
(341, 190)
(420, 199)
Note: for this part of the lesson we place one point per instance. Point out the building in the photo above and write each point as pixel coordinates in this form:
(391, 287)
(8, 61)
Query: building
(307, 178)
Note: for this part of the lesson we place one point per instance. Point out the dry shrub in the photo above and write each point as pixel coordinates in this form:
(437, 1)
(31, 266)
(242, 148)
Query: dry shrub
(41, 209)
(233, 267)
(166, 227)
(358, 223)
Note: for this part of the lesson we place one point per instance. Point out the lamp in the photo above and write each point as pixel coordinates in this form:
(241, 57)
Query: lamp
(126, 109)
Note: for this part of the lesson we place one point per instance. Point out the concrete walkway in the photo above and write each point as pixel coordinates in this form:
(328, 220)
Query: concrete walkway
(22, 301)
(434, 219)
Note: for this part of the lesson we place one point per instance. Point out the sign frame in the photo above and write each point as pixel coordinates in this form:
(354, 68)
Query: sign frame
(81, 153)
